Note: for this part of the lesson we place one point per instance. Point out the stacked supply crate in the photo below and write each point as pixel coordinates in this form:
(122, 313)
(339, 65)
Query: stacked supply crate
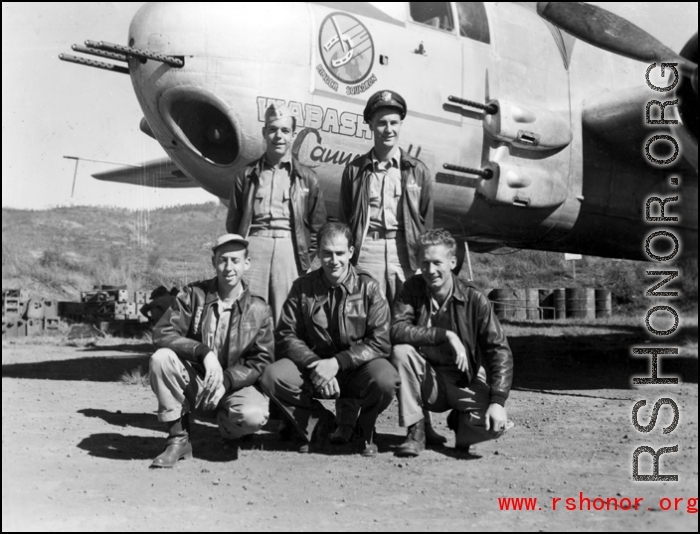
(109, 303)
(24, 315)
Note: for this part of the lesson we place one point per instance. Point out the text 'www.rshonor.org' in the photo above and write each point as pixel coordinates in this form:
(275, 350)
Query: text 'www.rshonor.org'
(582, 503)
(659, 218)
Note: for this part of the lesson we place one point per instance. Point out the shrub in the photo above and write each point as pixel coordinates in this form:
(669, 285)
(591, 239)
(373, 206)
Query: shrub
(136, 377)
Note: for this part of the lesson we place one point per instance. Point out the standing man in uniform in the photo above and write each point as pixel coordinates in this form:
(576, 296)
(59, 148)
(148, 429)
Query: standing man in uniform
(276, 203)
(333, 341)
(386, 198)
(450, 351)
(213, 344)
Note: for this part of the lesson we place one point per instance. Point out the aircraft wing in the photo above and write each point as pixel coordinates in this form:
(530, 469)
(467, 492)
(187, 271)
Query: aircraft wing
(162, 173)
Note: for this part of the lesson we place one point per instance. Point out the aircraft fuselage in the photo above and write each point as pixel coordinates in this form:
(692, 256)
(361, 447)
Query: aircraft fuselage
(557, 187)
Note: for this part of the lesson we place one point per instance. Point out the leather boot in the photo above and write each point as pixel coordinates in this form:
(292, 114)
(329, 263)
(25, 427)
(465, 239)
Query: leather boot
(365, 444)
(432, 438)
(415, 440)
(324, 425)
(178, 446)
(453, 424)
(343, 434)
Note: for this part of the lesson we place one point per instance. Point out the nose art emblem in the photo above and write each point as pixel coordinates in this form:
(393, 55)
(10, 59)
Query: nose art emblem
(346, 47)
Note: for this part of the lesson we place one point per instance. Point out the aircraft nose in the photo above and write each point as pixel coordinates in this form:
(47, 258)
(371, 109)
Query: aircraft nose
(210, 106)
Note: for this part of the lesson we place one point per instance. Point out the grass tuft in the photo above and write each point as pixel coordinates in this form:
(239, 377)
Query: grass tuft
(135, 377)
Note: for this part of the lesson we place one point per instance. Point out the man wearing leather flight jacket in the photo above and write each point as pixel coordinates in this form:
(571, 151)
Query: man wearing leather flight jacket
(213, 344)
(450, 351)
(333, 341)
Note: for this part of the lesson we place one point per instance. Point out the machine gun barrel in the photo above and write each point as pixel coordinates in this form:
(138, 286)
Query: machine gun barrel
(135, 52)
(490, 109)
(93, 63)
(486, 174)
(99, 53)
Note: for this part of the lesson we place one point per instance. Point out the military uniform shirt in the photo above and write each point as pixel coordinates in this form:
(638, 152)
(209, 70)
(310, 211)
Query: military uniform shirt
(440, 317)
(385, 193)
(217, 326)
(272, 208)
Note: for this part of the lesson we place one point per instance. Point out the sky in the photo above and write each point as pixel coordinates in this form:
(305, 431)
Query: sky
(51, 108)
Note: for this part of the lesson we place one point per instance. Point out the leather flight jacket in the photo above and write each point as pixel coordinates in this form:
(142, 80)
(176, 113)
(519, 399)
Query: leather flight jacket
(416, 202)
(251, 332)
(363, 316)
(308, 211)
(476, 324)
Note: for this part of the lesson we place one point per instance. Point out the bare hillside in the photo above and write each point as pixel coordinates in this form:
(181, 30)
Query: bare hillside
(59, 252)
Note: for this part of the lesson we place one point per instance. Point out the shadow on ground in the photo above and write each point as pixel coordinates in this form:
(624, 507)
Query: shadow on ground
(107, 369)
(140, 348)
(557, 325)
(599, 361)
(571, 361)
(207, 442)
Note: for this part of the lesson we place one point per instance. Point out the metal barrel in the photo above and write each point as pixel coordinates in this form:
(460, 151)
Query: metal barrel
(519, 304)
(509, 303)
(499, 298)
(580, 303)
(603, 303)
(590, 303)
(532, 299)
(546, 300)
(559, 301)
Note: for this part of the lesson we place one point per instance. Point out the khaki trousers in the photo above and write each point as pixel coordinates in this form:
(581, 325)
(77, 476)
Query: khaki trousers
(176, 384)
(273, 269)
(436, 388)
(388, 262)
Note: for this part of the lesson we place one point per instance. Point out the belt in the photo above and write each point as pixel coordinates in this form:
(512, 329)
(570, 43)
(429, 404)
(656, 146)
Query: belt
(280, 234)
(383, 234)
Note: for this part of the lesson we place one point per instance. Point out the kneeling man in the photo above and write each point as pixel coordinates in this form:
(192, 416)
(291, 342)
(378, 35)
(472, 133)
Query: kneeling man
(450, 351)
(213, 344)
(333, 342)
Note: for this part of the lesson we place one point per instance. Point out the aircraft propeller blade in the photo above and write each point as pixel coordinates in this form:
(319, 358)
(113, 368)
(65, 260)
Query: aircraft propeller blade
(603, 29)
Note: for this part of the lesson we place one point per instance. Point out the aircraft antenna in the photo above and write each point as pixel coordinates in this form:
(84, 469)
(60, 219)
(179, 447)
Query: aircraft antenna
(77, 160)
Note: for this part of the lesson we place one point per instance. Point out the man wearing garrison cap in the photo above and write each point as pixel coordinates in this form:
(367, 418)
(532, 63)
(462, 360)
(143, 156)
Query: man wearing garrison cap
(277, 205)
(386, 198)
(213, 343)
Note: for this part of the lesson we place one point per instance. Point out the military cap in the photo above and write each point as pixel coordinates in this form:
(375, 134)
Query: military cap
(229, 238)
(382, 99)
(277, 111)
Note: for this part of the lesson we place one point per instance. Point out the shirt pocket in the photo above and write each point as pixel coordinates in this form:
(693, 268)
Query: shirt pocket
(396, 199)
(286, 203)
(261, 203)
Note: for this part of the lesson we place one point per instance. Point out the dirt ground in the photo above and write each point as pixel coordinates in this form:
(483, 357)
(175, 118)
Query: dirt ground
(77, 443)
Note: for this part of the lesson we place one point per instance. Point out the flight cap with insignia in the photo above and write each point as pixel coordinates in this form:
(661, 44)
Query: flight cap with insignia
(277, 111)
(382, 99)
(229, 238)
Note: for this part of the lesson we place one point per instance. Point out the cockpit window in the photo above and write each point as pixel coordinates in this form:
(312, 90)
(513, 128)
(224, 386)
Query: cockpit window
(473, 22)
(435, 14)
